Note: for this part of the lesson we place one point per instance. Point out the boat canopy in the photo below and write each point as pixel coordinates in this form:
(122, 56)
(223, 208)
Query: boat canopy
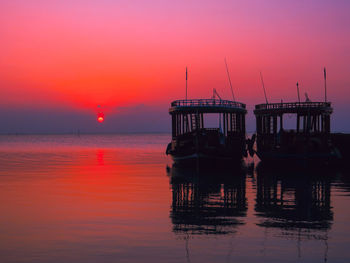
(311, 116)
(207, 106)
(188, 116)
(293, 107)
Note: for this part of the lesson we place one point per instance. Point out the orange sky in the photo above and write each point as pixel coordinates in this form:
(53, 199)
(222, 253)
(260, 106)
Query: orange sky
(75, 55)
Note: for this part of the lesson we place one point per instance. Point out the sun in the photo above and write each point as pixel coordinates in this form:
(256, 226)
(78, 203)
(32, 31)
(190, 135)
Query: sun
(100, 117)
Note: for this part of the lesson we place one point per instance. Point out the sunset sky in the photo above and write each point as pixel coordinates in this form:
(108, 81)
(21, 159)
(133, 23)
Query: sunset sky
(60, 59)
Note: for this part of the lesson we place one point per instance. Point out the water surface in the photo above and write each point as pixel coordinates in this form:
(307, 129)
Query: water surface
(117, 198)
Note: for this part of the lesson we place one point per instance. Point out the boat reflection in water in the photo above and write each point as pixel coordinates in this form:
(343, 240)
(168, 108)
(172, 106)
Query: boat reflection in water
(297, 202)
(290, 210)
(207, 203)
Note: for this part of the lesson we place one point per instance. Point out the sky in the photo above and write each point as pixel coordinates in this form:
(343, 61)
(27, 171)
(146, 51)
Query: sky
(60, 60)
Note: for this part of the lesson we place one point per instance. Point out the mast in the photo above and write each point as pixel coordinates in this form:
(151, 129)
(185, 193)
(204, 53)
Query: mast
(298, 91)
(262, 82)
(186, 83)
(229, 79)
(325, 84)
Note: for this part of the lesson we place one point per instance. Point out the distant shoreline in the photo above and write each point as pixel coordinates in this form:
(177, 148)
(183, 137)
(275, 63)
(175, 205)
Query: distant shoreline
(84, 133)
(108, 133)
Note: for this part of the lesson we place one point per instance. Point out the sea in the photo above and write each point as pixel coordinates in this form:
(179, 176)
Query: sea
(119, 198)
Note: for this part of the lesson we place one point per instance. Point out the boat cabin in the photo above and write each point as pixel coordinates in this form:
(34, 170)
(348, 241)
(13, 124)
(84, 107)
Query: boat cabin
(308, 138)
(192, 138)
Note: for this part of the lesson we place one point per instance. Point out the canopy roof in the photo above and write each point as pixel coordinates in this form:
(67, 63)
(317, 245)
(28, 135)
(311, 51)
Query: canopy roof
(207, 106)
(294, 107)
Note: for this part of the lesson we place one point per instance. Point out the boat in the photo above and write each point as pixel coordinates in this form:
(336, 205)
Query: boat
(191, 140)
(308, 141)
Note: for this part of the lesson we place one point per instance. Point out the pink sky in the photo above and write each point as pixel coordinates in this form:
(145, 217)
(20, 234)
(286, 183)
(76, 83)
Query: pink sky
(70, 56)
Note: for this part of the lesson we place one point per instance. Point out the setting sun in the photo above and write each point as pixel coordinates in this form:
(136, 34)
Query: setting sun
(100, 117)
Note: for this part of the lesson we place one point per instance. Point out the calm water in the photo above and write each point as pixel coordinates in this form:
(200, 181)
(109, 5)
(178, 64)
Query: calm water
(117, 198)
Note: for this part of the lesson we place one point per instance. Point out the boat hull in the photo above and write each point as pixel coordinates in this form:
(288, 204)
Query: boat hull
(221, 153)
(206, 161)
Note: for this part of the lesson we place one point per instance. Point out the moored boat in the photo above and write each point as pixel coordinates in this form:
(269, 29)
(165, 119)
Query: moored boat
(309, 140)
(191, 140)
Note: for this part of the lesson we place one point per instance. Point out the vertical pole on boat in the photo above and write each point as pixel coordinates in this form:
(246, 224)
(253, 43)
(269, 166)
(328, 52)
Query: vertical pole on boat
(262, 82)
(298, 91)
(325, 84)
(186, 83)
(197, 142)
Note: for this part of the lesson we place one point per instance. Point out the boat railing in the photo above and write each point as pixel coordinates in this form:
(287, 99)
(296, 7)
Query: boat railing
(208, 103)
(293, 105)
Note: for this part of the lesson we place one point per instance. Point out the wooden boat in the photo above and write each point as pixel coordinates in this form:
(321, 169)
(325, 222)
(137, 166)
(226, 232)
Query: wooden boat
(309, 141)
(192, 141)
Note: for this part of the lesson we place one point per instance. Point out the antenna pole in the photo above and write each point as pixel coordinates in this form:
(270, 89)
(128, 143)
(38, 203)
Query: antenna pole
(186, 83)
(298, 91)
(325, 84)
(229, 79)
(262, 82)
